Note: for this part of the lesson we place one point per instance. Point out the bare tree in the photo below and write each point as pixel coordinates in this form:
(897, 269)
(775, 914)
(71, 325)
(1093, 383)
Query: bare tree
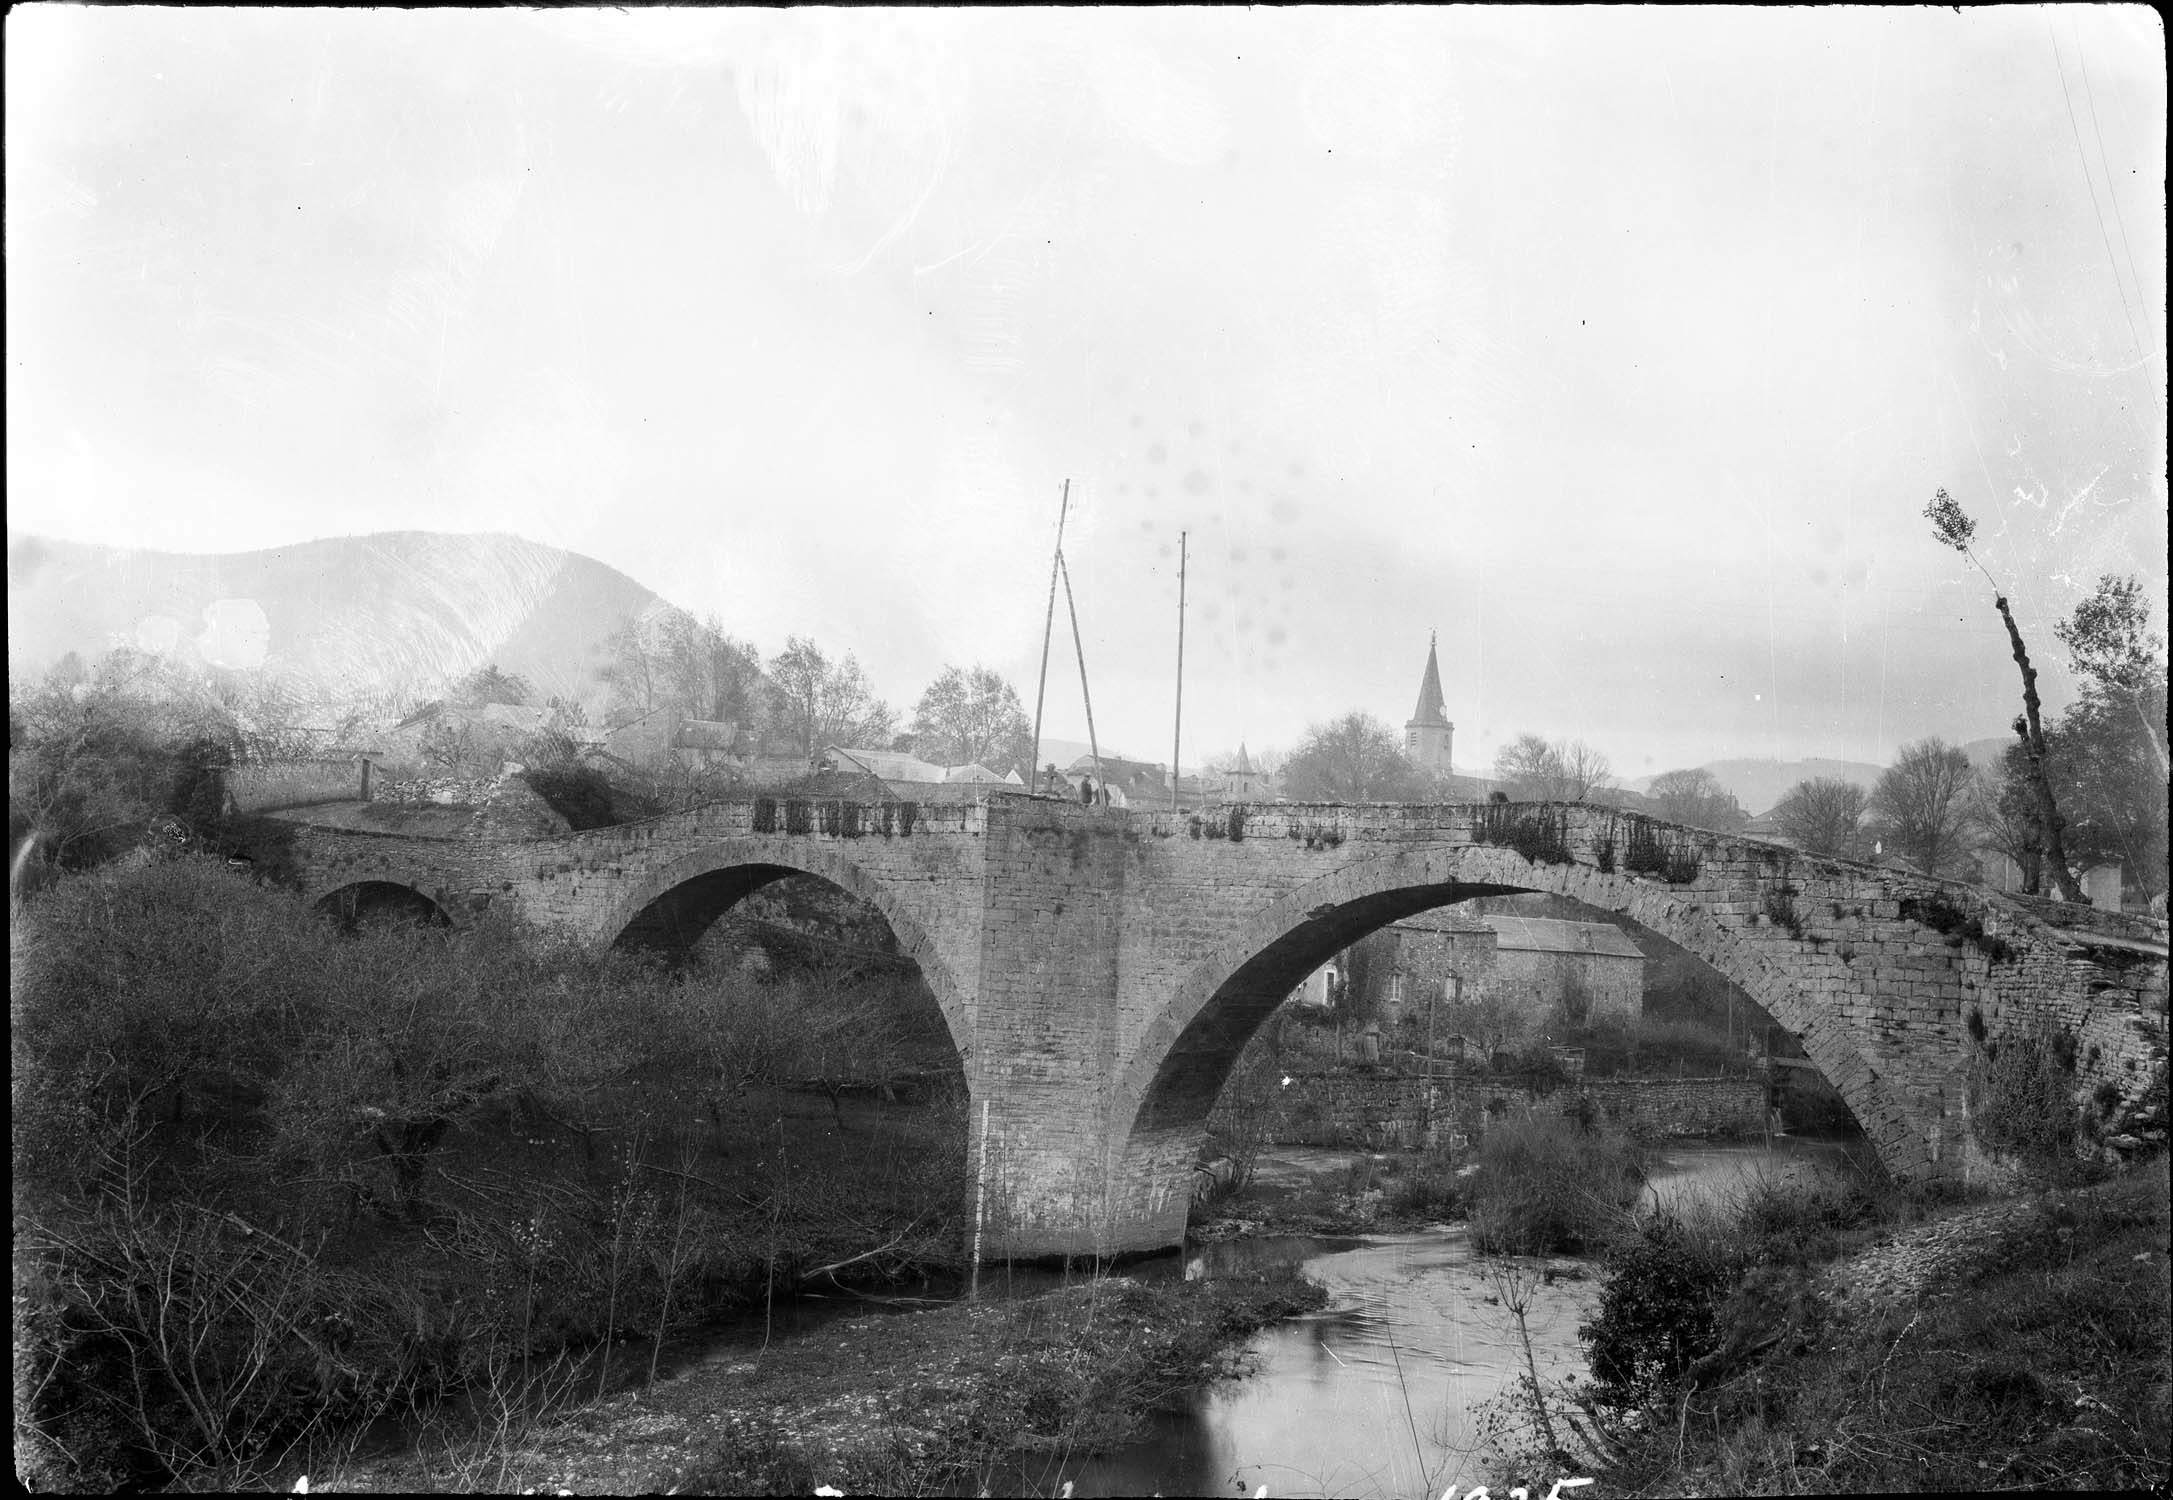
(1922, 804)
(2003, 811)
(1563, 771)
(1356, 758)
(1696, 798)
(1823, 815)
(1953, 527)
(974, 715)
(824, 703)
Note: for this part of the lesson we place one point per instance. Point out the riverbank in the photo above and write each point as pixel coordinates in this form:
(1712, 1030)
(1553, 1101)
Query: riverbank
(918, 1403)
(2020, 1344)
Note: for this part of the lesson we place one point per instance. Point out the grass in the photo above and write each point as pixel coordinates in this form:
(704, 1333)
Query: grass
(2048, 1367)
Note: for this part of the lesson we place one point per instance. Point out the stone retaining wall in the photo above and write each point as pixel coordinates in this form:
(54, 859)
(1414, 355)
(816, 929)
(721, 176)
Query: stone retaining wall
(1384, 1110)
(268, 785)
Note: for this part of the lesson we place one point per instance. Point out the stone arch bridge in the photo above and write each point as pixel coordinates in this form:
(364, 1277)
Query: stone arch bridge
(1100, 969)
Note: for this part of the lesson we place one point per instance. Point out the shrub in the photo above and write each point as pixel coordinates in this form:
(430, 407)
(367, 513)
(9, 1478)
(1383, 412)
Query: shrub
(1658, 1310)
(2022, 1096)
(1544, 1185)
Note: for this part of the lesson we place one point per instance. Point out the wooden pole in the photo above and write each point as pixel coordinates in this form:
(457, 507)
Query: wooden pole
(1177, 730)
(1071, 606)
(1048, 626)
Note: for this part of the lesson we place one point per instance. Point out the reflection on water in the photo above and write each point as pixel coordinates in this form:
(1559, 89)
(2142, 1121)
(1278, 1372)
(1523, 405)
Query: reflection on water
(1376, 1394)
(1693, 1176)
(1380, 1393)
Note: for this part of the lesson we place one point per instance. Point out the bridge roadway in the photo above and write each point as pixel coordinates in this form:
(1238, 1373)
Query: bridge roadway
(1100, 969)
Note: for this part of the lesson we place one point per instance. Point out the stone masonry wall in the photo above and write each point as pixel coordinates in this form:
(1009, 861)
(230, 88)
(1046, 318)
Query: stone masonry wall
(1384, 1111)
(272, 785)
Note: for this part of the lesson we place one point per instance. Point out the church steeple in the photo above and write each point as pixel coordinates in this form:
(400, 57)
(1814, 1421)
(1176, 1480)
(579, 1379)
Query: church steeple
(1429, 737)
(1432, 712)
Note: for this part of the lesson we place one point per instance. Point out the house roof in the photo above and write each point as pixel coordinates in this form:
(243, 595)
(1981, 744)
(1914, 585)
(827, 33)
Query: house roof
(889, 765)
(513, 715)
(971, 771)
(1444, 919)
(705, 734)
(1546, 935)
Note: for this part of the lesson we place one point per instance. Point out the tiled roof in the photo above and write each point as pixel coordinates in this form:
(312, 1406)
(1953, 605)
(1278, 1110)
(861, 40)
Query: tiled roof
(1545, 935)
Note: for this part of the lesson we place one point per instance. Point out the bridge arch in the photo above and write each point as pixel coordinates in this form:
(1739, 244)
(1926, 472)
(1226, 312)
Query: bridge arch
(357, 900)
(1184, 1056)
(671, 908)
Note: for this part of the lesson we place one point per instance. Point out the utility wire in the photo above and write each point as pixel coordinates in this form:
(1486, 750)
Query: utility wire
(2104, 165)
(2091, 187)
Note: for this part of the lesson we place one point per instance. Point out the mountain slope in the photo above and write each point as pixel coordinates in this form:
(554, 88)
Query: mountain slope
(347, 618)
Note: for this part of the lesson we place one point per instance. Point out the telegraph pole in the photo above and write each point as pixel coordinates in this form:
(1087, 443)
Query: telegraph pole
(1177, 730)
(1048, 627)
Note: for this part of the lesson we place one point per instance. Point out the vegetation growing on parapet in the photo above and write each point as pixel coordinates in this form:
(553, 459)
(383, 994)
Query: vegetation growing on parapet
(1647, 850)
(1540, 834)
(1957, 926)
(1779, 905)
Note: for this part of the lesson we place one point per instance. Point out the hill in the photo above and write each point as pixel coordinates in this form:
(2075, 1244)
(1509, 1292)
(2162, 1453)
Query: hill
(369, 619)
(1758, 784)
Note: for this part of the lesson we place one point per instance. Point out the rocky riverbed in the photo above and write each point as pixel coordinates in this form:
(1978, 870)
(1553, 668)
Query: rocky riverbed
(920, 1403)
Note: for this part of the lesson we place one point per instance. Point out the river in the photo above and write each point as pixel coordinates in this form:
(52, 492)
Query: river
(1382, 1393)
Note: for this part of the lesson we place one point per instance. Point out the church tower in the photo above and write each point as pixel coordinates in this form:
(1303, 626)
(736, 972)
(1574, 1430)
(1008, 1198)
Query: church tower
(1429, 735)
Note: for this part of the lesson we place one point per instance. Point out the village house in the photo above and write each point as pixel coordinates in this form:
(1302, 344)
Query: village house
(1537, 965)
(906, 777)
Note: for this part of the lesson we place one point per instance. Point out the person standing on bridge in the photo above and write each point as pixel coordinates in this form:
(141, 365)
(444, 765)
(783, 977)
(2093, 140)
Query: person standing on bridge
(1086, 790)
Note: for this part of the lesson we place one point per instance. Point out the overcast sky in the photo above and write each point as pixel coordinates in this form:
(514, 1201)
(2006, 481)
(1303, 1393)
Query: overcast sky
(1623, 347)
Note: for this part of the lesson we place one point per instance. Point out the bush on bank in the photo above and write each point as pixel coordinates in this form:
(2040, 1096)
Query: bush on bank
(1719, 1368)
(270, 1178)
(1548, 1183)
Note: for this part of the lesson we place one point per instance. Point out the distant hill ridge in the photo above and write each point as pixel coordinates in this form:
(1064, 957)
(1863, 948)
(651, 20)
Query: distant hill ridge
(353, 618)
(1759, 784)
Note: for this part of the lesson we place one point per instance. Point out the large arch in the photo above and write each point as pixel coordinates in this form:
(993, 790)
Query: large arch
(676, 903)
(1161, 1102)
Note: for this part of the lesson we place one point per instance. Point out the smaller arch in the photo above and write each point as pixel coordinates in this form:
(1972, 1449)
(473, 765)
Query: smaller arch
(363, 901)
(669, 910)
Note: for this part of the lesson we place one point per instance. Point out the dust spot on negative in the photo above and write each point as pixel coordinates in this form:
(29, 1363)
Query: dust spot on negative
(1289, 583)
(1211, 611)
(1123, 488)
(1244, 623)
(1297, 469)
(1277, 635)
(1156, 453)
(1146, 523)
(1139, 419)
(1244, 486)
(1161, 551)
(1277, 554)
(1237, 554)
(1284, 510)
(1196, 482)
(1194, 429)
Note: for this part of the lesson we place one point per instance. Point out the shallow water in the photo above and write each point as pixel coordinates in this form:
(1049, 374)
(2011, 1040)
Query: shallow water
(1383, 1392)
